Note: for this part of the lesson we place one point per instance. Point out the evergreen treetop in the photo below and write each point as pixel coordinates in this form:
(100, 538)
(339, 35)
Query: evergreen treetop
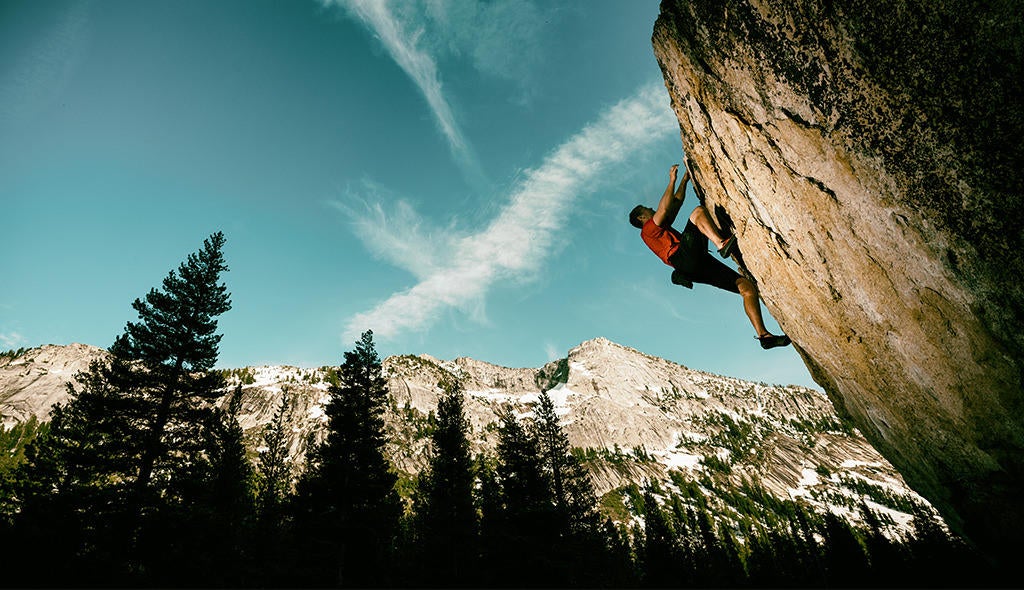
(178, 324)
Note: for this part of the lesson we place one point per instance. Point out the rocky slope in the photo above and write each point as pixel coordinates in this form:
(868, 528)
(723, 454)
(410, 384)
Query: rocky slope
(31, 383)
(868, 156)
(633, 417)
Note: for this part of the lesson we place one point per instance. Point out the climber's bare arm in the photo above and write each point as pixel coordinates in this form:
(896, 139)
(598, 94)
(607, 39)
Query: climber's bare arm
(672, 199)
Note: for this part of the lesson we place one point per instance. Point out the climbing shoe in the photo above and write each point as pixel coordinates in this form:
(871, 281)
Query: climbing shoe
(726, 250)
(678, 278)
(771, 341)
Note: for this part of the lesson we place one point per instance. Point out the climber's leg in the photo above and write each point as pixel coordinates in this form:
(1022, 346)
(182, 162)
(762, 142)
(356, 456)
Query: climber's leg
(702, 219)
(752, 305)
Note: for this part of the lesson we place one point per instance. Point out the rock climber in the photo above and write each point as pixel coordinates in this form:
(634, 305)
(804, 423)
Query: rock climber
(687, 252)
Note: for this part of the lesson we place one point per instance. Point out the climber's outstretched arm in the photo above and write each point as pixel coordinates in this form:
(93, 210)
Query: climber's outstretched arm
(672, 199)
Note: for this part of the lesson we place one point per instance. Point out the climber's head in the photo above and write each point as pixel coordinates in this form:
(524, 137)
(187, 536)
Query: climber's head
(639, 216)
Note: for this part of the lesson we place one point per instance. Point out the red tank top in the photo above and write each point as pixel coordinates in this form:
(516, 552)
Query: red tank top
(662, 241)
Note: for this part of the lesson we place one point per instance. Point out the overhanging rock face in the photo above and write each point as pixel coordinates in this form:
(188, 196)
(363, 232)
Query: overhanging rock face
(868, 156)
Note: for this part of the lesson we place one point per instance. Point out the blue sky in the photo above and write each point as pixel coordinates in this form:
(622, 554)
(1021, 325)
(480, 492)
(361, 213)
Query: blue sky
(454, 175)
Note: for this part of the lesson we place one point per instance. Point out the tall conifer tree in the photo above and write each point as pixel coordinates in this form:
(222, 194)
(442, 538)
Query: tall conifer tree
(131, 435)
(273, 479)
(581, 548)
(348, 509)
(206, 540)
(447, 523)
(662, 558)
(570, 482)
(493, 534)
(525, 530)
(273, 471)
(171, 352)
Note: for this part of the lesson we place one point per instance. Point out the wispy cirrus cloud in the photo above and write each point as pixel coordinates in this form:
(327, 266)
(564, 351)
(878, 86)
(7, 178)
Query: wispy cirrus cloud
(401, 38)
(501, 38)
(11, 340)
(417, 247)
(457, 271)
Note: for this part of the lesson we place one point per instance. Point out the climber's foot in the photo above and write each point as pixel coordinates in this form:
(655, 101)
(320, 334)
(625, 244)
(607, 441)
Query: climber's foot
(727, 247)
(771, 341)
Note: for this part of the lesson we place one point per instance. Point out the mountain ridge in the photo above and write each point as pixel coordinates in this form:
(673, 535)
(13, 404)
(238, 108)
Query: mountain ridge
(631, 416)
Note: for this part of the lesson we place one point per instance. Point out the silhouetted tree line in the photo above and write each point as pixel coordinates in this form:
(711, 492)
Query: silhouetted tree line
(140, 480)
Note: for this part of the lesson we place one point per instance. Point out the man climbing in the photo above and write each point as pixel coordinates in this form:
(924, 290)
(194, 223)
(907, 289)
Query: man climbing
(687, 252)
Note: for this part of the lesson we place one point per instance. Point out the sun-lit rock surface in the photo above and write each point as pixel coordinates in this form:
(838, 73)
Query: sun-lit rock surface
(868, 156)
(31, 383)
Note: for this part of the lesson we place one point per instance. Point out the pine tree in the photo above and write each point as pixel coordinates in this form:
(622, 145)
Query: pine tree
(493, 536)
(554, 449)
(663, 559)
(447, 524)
(580, 546)
(273, 471)
(13, 443)
(808, 555)
(131, 437)
(206, 539)
(232, 473)
(889, 559)
(525, 484)
(770, 557)
(620, 567)
(348, 510)
(693, 555)
(172, 351)
(71, 496)
(843, 555)
(273, 481)
(718, 563)
(524, 530)
(571, 486)
(227, 508)
(938, 558)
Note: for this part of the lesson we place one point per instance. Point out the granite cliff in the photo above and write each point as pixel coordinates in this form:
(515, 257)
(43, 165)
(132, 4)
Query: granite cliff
(868, 155)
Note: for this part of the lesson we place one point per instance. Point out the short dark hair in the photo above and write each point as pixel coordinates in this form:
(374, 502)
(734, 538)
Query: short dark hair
(634, 216)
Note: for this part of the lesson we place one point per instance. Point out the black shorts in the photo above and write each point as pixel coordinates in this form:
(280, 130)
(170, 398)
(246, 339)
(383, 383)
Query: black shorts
(697, 264)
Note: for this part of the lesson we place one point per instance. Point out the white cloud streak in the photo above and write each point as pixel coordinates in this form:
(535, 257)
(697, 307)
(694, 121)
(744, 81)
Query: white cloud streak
(11, 339)
(402, 44)
(502, 38)
(526, 231)
(416, 248)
